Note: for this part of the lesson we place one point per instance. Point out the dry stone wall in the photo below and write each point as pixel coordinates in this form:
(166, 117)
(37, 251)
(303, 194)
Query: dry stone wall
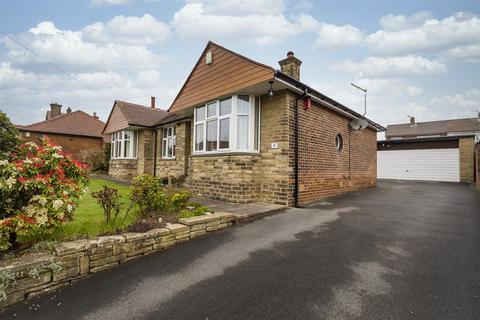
(33, 274)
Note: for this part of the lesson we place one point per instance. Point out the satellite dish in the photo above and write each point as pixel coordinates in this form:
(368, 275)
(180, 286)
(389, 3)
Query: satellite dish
(359, 124)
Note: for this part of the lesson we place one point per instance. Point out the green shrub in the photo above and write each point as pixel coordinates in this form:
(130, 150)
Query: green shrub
(8, 136)
(39, 190)
(147, 193)
(195, 212)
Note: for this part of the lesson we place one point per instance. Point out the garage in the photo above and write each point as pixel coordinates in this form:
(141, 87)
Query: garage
(434, 159)
(421, 164)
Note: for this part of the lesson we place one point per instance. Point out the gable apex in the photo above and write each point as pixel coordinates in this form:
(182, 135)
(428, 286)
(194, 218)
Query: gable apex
(225, 72)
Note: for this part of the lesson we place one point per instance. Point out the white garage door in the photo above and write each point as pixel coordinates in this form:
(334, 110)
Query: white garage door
(422, 164)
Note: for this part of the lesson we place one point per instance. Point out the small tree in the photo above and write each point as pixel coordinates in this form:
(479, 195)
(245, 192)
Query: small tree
(8, 136)
(109, 199)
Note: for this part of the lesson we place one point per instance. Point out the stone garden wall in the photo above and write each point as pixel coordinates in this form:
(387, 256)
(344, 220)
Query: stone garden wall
(34, 273)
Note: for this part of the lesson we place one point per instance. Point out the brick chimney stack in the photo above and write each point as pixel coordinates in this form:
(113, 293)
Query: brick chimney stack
(152, 102)
(291, 66)
(55, 110)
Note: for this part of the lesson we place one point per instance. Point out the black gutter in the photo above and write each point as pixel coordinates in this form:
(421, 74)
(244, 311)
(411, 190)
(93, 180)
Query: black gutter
(155, 153)
(295, 191)
(320, 96)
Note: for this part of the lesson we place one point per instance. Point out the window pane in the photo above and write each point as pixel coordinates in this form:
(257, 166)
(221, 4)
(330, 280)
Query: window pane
(211, 109)
(242, 142)
(135, 138)
(170, 131)
(257, 123)
(199, 137)
(224, 133)
(200, 114)
(164, 148)
(126, 148)
(127, 135)
(243, 104)
(225, 106)
(212, 135)
(170, 148)
(174, 139)
(165, 132)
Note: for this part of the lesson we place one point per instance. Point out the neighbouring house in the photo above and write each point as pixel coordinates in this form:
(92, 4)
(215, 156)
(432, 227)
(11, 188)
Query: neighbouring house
(241, 131)
(434, 150)
(76, 131)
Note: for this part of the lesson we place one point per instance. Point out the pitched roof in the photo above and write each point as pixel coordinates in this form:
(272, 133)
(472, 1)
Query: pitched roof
(125, 114)
(441, 127)
(76, 123)
(239, 72)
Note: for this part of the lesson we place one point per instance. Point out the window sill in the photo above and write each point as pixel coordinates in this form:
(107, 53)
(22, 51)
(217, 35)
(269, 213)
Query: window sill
(123, 158)
(226, 154)
(171, 158)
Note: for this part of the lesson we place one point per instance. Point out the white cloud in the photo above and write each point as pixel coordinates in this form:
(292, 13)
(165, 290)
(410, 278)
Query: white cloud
(330, 35)
(194, 20)
(241, 7)
(70, 50)
(469, 100)
(469, 54)
(20, 88)
(392, 66)
(402, 36)
(111, 2)
(128, 30)
(399, 22)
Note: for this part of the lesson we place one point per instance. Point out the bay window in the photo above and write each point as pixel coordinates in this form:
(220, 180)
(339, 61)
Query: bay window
(124, 144)
(169, 142)
(231, 124)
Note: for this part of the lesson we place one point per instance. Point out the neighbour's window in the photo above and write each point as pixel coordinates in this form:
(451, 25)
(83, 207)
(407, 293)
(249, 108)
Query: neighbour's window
(169, 143)
(229, 124)
(124, 144)
(338, 142)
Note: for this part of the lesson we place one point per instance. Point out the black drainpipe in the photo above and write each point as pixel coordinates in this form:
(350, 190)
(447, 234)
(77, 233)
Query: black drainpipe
(295, 191)
(155, 153)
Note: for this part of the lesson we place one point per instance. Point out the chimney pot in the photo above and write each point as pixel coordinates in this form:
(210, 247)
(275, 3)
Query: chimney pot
(69, 110)
(291, 66)
(152, 102)
(412, 121)
(95, 115)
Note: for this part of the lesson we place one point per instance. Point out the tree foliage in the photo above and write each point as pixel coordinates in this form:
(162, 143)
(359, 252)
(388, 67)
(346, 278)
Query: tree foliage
(8, 136)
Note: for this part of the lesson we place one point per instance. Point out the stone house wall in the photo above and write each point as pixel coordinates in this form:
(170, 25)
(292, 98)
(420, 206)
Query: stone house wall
(178, 167)
(250, 177)
(323, 171)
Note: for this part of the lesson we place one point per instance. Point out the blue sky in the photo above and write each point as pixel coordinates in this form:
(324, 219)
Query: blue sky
(419, 58)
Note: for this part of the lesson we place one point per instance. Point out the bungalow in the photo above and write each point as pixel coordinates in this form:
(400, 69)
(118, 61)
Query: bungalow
(242, 131)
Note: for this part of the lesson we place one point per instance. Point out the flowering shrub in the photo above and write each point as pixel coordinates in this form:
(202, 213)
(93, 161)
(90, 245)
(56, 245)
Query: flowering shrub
(39, 187)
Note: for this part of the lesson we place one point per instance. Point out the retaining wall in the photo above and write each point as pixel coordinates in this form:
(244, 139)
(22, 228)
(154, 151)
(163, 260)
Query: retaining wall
(35, 273)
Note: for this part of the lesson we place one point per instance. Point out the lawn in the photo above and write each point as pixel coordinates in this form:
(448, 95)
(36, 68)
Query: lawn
(88, 218)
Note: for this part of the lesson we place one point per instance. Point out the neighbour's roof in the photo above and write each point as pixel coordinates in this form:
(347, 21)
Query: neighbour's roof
(171, 118)
(427, 139)
(139, 115)
(76, 123)
(442, 127)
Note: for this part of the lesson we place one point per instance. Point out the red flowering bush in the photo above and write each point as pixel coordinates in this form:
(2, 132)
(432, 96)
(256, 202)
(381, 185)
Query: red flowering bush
(39, 190)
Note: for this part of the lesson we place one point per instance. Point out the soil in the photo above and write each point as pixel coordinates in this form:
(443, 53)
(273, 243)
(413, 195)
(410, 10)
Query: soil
(151, 223)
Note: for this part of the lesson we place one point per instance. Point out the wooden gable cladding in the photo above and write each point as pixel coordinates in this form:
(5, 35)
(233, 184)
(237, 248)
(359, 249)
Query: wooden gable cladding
(116, 121)
(228, 73)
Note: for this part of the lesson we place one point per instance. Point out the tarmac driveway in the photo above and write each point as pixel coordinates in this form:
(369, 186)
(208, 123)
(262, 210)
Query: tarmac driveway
(403, 250)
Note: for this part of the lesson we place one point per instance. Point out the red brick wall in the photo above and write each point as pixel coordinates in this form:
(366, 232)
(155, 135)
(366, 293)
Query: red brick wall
(323, 171)
(78, 146)
(477, 161)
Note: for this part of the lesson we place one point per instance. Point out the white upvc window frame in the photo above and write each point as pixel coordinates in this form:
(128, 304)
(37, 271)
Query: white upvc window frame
(169, 139)
(118, 145)
(253, 146)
